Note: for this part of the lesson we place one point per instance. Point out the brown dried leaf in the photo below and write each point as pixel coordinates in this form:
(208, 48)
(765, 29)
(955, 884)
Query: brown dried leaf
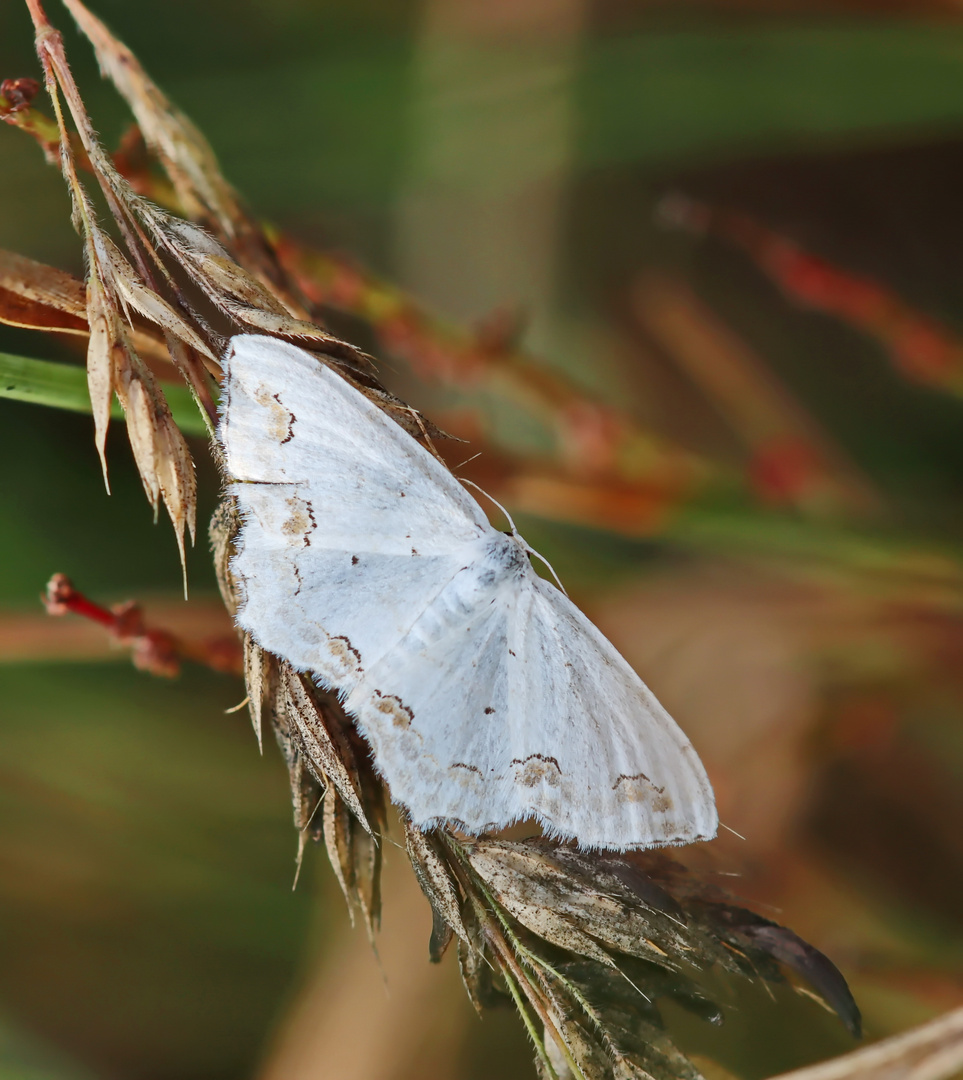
(135, 401)
(137, 298)
(222, 277)
(40, 297)
(175, 473)
(310, 729)
(540, 919)
(476, 973)
(368, 859)
(578, 1043)
(135, 294)
(188, 160)
(260, 668)
(160, 450)
(624, 1035)
(333, 763)
(100, 364)
(184, 153)
(306, 790)
(221, 531)
(418, 426)
(441, 937)
(231, 288)
(355, 856)
(593, 941)
(437, 884)
(337, 839)
(310, 794)
(571, 901)
(161, 454)
(260, 678)
(277, 324)
(58, 79)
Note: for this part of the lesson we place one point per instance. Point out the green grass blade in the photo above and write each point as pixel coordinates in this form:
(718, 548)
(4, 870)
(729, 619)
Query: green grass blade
(64, 386)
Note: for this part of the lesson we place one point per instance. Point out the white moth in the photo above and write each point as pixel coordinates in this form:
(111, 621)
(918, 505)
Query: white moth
(486, 695)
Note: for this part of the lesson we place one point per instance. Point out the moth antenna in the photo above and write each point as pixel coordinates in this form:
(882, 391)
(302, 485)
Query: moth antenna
(538, 555)
(471, 483)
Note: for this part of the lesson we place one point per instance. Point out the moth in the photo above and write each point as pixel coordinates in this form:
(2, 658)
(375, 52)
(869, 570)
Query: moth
(486, 695)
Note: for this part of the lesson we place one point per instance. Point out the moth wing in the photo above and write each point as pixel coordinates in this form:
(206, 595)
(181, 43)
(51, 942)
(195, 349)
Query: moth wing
(328, 610)
(354, 546)
(435, 710)
(619, 772)
(349, 527)
(288, 419)
(523, 709)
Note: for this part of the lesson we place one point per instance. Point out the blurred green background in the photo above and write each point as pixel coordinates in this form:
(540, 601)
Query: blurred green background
(513, 157)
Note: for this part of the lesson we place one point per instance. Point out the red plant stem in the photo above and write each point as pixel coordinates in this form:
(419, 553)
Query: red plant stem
(156, 651)
(920, 347)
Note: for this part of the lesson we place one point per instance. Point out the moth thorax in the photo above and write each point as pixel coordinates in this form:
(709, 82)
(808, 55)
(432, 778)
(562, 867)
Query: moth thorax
(505, 556)
(488, 567)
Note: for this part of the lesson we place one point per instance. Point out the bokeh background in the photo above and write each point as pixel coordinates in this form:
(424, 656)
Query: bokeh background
(736, 226)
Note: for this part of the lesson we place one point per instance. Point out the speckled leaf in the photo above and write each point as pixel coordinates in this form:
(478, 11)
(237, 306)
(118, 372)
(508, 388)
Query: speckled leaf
(337, 838)
(567, 903)
(332, 762)
(437, 884)
(40, 297)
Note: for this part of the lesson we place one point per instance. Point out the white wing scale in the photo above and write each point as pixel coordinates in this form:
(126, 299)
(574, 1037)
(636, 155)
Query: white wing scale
(486, 695)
